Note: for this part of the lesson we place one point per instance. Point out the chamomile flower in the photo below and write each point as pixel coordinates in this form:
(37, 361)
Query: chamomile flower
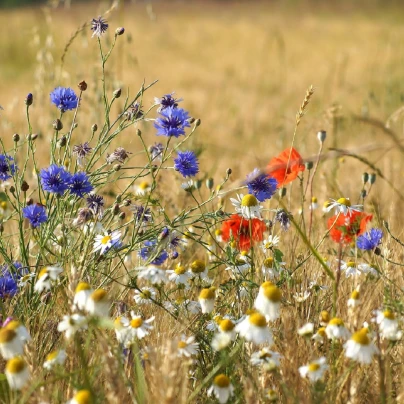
(71, 324)
(137, 327)
(198, 269)
(20, 329)
(269, 243)
(306, 330)
(268, 301)
(354, 300)
(82, 293)
(247, 206)
(221, 388)
(270, 360)
(227, 326)
(314, 203)
(272, 270)
(98, 303)
(324, 318)
(143, 188)
(360, 348)
(240, 267)
(254, 328)
(336, 329)
(144, 296)
(103, 242)
(207, 300)
(344, 206)
(153, 274)
(315, 370)
(45, 276)
(300, 297)
(121, 329)
(17, 373)
(81, 397)
(369, 269)
(220, 341)
(388, 324)
(187, 346)
(179, 275)
(10, 343)
(320, 336)
(57, 357)
(350, 268)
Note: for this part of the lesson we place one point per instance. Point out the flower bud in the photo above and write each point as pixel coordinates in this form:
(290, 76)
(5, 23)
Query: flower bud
(32, 136)
(24, 186)
(62, 141)
(29, 201)
(94, 128)
(363, 193)
(117, 93)
(197, 122)
(321, 135)
(127, 202)
(29, 99)
(191, 120)
(1, 227)
(365, 178)
(12, 189)
(209, 183)
(282, 192)
(57, 124)
(309, 165)
(122, 215)
(198, 184)
(16, 137)
(138, 132)
(117, 167)
(116, 209)
(82, 86)
(119, 31)
(372, 178)
(229, 171)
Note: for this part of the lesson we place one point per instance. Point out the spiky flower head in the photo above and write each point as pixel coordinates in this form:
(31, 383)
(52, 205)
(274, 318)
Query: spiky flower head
(64, 98)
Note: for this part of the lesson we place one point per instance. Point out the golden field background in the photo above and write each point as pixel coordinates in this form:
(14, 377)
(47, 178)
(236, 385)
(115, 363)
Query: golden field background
(243, 68)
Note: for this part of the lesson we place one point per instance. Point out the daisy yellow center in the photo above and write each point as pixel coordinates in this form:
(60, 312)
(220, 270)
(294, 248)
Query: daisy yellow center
(249, 312)
(7, 335)
(336, 321)
(3, 205)
(207, 294)
(52, 356)
(15, 365)
(198, 266)
(265, 355)
(258, 320)
(218, 232)
(244, 253)
(327, 204)
(313, 367)
(324, 316)
(389, 314)
(233, 244)
(146, 294)
(82, 286)
(83, 397)
(105, 240)
(13, 325)
(344, 201)
(249, 201)
(136, 322)
(226, 325)
(269, 262)
(179, 270)
(180, 300)
(314, 199)
(221, 381)
(99, 295)
(42, 273)
(321, 331)
(273, 294)
(361, 337)
(266, 284)
(355, 295)
(182, 344)
(350, 264)
(144, 185)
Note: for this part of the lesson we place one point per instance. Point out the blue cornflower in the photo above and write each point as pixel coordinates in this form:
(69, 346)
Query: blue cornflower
(149, 251)
(80, 184)
(167, 101)
(64, 98)
(370, 240)
(36, 214)
(7, 167)
(99, 26)
(9, 280)
(186, 163)
(260, 185)
(96, 204)
(172, 122)
(55, 179)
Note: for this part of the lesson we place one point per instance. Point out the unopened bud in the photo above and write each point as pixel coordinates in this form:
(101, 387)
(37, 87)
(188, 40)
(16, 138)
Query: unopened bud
(372, 178)
(12, 189)
(117, 167)
(119, 31)
(198, 184)
(57, 124)
(378, 251)
(24, 186)
(191, 120)
(138, 132)
(229, 171)
(309, 165)
(32, 136)
(174, 255)
(29, 99)
(126, 202)
(16, 137)
(282, 192)
(117, 93)
(1, 227)
(321, 135)
(116, 209)
(62, 141)
(29, 201)
(122, 215)
(197, 122)
(365, 178)
(209, 183)
(82, 86)
(363, 193)
(94, 128)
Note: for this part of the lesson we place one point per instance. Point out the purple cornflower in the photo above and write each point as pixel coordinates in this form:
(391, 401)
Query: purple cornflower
(260, 185)
(370, 240)
(141, 214)
(36, 214)
(172, 122)
(9, 279)
(99, 26)
(167, 101)
(96, 205)
(150, 251)
(186, 163)
(7, 167)
(134, 112)
(283, 218)
(80, 184)
(64, 98)
(156, 151)
(82, 151)
(55, 179)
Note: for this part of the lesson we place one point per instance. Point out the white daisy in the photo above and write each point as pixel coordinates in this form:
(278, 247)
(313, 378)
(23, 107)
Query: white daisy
(81, 397)
(207, 300)
(306, 330)
(268, 301)
(20, 329)
(145, 296)
(142, 188)
(271, 269)
(247, 206)
(388, 325)
(103, 242)
(121, 329)
(10, 343)
(187, 346)
(314, 203)
(137, 327)
(55, 358)
(315, 370)
(220, 341)
(198, 270)
(98, 303)
(336, 329)
(343, 205)
(300, 297)
(320, 336)
(360, 348)
(221, 388)
(153, 274)
(354, 300)
(82, 293)
(17, 373)
(267, 358)
(254, 328)
(179, 275)
(350, 268)
(71, 324)
(370, 269)
(241, 267)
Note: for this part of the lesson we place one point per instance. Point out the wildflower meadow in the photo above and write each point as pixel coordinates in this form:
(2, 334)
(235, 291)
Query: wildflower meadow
(139, 264)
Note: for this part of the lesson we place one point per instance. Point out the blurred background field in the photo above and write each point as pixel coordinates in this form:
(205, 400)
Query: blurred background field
(242, 67)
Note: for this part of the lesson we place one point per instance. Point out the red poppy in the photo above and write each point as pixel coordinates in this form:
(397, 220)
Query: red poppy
(286, 166)
(343, 228)
(239, 228)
